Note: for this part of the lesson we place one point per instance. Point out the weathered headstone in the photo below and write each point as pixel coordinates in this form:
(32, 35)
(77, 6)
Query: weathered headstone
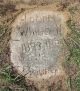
(37, 45)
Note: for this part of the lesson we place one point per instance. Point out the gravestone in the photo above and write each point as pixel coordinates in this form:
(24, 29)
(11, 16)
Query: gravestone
(37, 45)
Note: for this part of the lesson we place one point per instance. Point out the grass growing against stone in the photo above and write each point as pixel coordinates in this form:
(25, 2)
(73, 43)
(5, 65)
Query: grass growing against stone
(73, 62)
(10, 80)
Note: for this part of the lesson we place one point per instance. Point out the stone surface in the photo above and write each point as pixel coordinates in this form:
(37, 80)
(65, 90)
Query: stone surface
(37, 44)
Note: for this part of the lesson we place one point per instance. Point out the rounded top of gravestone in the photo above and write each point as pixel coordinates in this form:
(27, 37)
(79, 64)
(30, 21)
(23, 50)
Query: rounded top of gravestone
(37, 42)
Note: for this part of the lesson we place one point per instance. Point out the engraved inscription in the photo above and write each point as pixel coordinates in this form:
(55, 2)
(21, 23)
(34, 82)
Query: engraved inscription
(39, 43)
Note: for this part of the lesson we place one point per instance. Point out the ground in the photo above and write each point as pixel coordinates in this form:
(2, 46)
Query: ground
(10, 80)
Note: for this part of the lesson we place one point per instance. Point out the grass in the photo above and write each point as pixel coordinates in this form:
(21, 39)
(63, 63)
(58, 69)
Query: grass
(4, 8)
(73, 9)
(73, 62)
(6, 89)
(7, 73)
(10, 80)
